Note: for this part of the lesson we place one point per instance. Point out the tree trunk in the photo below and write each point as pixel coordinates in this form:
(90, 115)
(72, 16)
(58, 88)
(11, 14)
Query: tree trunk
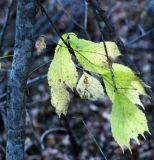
(23, 52)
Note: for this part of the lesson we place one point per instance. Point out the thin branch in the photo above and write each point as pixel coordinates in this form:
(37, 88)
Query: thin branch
(36, 80)
(140, 37)
(38, 68)
(142, 48)
(85, 20)
(6, 56)
(75, 22)
(29, 83)
(55, 18)
(92, 136)
(141, 29)
(85, 15)
(107, 55)
(52, 24)
(3, 95)
(110, 65)
(50, 131)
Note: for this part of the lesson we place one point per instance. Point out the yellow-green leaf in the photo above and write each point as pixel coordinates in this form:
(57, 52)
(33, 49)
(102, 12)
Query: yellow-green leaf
(127, 121)
(60, 99)
(61, 74)
(62, 69)
(89, 87)
(92, 56)
(126, 82)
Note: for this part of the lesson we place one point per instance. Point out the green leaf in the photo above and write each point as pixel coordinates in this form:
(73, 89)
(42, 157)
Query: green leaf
(127, 121)
(67, 37)
(89, 87)
(127, 83)
(62, 69)
(62, 72)
(92, 56)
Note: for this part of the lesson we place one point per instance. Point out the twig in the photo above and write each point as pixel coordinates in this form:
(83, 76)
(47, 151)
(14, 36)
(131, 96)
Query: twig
(3, 95)
(6, 23)
(92, 136)
(6, 56)
(140, 37)
(141, 29)
(52, 24)
(142, 48)
(36, 80)
(107, 55)
(29, 83)
(85, 20)
(85, 15)
(55, 18)
(75, 22)
(50, 131)
(110, 66)
(38, 68)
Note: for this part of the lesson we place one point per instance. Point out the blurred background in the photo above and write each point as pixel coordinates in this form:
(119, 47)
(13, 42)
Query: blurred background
(47, 135)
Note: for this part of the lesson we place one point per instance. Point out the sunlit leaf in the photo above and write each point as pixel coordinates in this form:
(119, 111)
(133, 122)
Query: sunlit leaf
(62, 69)
(62, 72)
(127, 121)
(126, 82)
(60, 99)
(89, 87)
(92, 56)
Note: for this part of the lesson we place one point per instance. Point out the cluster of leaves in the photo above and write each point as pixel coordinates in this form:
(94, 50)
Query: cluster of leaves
(127, 120)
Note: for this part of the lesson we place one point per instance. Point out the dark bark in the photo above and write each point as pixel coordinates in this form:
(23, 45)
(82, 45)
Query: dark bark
(24, 45)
